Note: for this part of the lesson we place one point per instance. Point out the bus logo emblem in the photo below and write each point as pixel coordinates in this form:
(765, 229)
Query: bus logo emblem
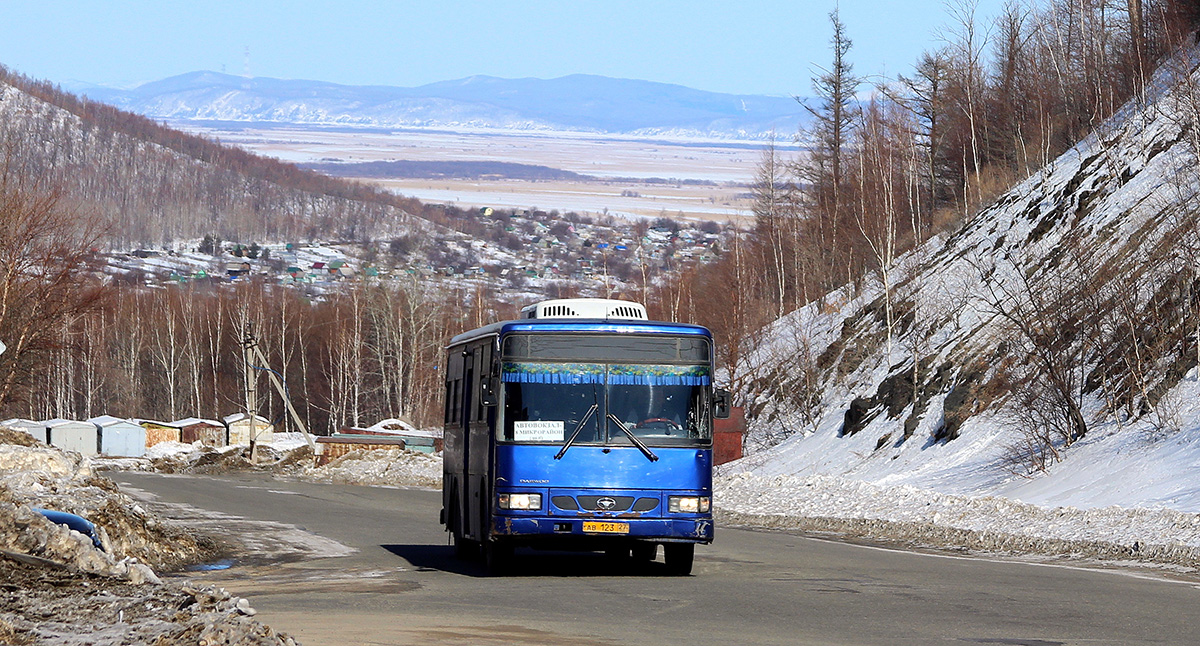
(605, 504)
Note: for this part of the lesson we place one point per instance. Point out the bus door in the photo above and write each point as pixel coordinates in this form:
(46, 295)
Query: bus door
(471, 475)
(454, 494)
(477, 436)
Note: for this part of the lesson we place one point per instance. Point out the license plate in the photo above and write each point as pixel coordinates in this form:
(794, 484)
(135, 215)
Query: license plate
(606, 528)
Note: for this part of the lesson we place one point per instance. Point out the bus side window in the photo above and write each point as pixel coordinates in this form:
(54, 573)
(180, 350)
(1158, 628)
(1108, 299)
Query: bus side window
(456, 401)
(454, 378)
(477, 411)
(450, 402)
(486, 391)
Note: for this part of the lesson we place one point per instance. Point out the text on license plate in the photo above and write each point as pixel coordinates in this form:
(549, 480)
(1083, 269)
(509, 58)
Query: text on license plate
(606, 528)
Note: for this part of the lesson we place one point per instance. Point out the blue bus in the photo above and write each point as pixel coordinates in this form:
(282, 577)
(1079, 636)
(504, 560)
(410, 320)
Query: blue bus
(580, 426)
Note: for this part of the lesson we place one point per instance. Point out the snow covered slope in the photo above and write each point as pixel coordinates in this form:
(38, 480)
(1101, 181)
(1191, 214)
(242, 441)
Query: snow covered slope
(1108, 228)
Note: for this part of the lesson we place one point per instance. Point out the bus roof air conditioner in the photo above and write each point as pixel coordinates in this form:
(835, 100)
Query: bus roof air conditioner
(585, 308)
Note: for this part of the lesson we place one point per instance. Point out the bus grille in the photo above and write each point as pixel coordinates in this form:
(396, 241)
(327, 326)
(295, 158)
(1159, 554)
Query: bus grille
(592, 503)
(565, 502)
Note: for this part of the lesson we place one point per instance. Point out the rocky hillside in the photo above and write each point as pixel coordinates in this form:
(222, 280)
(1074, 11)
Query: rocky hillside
(1045, 351)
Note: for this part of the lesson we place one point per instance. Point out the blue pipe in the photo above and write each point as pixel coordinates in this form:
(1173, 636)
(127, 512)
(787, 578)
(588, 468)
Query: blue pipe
(71, 521)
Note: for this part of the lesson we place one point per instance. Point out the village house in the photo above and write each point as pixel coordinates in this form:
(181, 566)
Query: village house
(237, 269)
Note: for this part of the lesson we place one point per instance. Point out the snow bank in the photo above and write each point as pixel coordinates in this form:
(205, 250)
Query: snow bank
(44, 477)
(910, 425)
(289, 456)
(55, 606)
(48, 591)
(987, 523)
(394, 467)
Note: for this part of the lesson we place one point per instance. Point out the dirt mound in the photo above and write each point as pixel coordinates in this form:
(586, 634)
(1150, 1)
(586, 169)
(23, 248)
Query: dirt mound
(206, 460)
(57, 587)
(382, 467)
(20, 438)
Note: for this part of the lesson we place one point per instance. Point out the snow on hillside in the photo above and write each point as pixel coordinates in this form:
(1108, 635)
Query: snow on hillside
(1131, 480)
(577, 103)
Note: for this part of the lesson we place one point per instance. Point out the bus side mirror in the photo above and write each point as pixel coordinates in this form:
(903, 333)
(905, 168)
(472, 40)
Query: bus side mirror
(487, 393)
(721, 403)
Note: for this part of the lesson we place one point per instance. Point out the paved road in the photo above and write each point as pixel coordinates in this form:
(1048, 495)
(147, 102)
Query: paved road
(403, 585)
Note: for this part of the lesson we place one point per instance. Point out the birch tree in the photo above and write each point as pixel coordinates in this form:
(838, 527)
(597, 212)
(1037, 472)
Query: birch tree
(774, 226)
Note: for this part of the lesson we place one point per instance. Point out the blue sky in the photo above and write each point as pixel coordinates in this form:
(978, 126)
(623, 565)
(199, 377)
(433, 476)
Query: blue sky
(748, 47)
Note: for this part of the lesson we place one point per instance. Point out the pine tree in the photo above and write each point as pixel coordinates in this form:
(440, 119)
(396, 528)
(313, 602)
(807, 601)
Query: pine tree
(823, 171)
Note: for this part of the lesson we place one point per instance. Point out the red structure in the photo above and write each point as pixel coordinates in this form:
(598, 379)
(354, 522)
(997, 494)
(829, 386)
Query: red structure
(728, 435)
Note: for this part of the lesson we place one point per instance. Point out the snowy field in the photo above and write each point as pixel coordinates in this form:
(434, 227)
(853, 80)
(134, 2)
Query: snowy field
(729, 166)
(719, 203)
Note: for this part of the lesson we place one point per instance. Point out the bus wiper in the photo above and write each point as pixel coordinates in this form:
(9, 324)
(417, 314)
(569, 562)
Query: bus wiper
(633, 438)
(575, 434)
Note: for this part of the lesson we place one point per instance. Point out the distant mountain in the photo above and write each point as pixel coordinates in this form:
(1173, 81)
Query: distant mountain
(580, 102)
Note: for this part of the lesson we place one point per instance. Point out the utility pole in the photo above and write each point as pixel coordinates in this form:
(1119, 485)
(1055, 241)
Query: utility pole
(248, 344)
(256, 360)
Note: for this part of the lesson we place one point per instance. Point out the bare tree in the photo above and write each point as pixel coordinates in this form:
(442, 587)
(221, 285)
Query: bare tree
(44, 259)
(1051, 319)
(167, 347)
(775, 227)
(966, 46)
(882, 152)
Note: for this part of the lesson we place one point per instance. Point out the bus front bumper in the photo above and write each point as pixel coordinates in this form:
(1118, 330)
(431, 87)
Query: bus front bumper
(690, 530)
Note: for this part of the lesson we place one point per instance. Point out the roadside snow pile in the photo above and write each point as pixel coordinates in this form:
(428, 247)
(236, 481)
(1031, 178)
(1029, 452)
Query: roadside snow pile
(390, 467)
(177, 457)
(58, 587)
(44, 477)
(290, 457)
(923, 517)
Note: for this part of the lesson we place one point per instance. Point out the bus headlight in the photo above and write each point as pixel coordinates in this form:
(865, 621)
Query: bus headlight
(522, 501)
(689, 504)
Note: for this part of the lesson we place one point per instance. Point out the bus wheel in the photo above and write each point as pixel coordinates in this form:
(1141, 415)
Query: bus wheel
(464, 548)
(679, 557)
(497, 556)
(645, 552)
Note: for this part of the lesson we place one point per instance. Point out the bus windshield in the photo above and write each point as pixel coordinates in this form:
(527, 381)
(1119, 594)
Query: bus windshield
(660, 404)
